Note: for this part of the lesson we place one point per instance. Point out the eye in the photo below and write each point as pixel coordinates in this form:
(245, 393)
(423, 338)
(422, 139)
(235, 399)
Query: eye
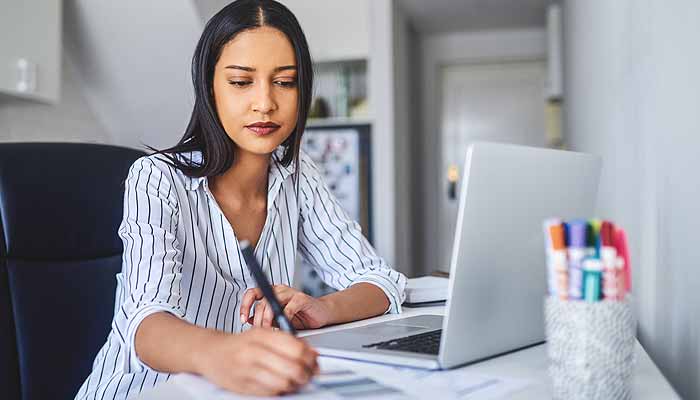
(240, 83)
(286, 84)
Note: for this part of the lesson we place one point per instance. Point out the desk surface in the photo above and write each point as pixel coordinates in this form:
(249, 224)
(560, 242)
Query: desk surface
(529, 364)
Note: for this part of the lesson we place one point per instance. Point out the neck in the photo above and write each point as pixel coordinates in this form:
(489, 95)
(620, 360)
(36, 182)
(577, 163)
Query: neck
(247, 177)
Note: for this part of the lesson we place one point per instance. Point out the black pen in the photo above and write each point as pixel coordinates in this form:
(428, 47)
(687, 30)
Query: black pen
(264, 285)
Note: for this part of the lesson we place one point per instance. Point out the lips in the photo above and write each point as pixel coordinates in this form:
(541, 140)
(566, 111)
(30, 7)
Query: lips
(263, 128)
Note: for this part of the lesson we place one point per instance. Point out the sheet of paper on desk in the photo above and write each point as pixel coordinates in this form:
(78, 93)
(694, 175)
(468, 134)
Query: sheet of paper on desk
(452, 384)
(343, 379)
(334, 382)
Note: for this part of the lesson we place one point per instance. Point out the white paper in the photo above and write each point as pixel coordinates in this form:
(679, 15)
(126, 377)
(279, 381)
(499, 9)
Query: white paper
(451, 384)
(334, 382)
(345, 379)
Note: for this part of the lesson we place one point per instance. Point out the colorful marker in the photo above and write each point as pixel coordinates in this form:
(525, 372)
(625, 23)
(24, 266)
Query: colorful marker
(548, 250)
(577, 252)
(594, 225)
(608, 257)
(623, 252)
(592, 270)
(592, 240)
(556, 248)
(587, 260)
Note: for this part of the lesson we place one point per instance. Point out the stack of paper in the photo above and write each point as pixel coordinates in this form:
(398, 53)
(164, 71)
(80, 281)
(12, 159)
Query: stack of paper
(426, 289)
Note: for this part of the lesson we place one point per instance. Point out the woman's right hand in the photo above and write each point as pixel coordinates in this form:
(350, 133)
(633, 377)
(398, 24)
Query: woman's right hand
(261, 362)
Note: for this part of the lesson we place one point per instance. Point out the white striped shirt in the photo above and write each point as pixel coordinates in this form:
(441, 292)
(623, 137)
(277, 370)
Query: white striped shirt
(181, 256)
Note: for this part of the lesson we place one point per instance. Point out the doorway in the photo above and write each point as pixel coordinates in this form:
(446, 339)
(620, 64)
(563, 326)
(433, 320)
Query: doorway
(495, 102)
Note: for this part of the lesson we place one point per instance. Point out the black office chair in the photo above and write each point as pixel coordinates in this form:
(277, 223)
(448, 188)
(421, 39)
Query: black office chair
(60, 208)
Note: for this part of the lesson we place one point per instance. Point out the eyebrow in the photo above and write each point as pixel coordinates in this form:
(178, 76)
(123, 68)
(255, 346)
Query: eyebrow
(250, 69)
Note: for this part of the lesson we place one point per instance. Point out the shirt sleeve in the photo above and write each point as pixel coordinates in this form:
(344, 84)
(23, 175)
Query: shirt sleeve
(334, 244)
(151, 262)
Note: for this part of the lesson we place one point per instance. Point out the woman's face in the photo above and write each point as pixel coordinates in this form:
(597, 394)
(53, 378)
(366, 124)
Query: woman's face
(255, 89)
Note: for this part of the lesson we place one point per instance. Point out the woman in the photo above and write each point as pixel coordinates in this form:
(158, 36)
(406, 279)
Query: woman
(185, 299)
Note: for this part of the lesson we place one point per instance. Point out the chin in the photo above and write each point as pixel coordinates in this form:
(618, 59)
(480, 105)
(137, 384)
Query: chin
(260, 146)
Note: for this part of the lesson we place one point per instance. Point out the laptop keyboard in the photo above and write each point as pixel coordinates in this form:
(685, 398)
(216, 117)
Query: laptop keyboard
(424, 343)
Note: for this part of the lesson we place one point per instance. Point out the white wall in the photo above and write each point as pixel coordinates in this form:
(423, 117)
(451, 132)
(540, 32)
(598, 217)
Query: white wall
(632, 93)
(435, 51)
(335, 29)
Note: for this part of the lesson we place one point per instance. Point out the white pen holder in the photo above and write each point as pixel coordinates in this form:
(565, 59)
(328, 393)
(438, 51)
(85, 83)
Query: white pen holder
(591, 348)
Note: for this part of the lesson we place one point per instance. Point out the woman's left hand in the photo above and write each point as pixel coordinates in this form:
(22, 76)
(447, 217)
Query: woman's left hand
(302, 310)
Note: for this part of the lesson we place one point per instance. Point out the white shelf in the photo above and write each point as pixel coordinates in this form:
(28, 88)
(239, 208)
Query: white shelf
(335, 121)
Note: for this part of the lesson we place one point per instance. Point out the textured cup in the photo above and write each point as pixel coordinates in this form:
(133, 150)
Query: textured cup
(590, 348)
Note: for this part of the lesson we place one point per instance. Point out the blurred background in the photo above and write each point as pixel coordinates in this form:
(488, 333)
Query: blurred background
(402, 87)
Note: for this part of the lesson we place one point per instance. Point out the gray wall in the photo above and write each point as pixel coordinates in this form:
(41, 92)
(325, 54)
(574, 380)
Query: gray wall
(69, 120)
(31, 30)
(133, 58)
(632, 95)
(125, 76)
(380, 74)
(405, 136)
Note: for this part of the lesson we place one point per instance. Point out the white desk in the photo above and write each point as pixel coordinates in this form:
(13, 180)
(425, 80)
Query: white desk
(529, 364)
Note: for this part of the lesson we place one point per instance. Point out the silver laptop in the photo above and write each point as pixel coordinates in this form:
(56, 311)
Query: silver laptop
(497, 273)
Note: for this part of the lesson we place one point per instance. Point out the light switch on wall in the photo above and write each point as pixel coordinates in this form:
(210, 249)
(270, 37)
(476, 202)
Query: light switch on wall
(26, 77)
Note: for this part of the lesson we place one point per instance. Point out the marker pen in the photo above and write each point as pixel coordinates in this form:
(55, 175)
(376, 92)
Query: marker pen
(549, 250)
(593, 239)
(594, 236)
(623, 253)
(577, 252)
(592, 270)
(556, 250)
(608, 257)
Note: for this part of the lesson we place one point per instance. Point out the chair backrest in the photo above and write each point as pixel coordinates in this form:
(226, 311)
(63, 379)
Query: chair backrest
(60, 208)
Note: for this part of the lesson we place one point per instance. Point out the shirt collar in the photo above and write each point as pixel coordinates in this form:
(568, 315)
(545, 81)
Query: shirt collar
(278, 172)
(277, 169)
(193, 183)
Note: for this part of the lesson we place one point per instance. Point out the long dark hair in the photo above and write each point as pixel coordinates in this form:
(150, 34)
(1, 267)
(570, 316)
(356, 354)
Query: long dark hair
(204, 132)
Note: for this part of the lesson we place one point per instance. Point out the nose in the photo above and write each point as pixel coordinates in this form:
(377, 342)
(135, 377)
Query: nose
(263, 101)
